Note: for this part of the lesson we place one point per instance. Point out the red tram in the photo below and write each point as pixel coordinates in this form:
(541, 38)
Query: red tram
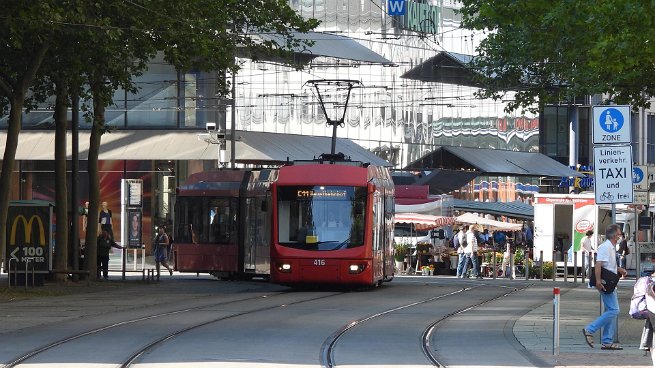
(313, 222)
(332, 223)
(222, 223)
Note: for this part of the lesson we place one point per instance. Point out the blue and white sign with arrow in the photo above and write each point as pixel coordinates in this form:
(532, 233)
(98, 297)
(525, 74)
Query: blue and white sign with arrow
(612, 125)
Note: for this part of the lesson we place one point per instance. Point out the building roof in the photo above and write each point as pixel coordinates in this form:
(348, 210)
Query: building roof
(325, 45)
(516, 209)
(251, 147)
(445, 67)
(493, 162)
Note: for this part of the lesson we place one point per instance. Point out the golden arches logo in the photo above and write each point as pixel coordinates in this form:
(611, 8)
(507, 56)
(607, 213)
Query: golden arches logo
(27, 227)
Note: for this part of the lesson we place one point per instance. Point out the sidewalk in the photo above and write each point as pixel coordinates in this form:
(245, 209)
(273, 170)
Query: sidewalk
(578, 307)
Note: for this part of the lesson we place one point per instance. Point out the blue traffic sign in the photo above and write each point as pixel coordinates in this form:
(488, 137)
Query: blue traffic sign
(612, 125)
(637, 175)
(611, 120)
(396, 7)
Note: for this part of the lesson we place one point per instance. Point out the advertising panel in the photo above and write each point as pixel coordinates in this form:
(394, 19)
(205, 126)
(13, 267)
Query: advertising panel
(29, 238)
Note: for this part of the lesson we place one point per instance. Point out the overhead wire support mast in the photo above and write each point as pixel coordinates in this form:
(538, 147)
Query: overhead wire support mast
(334, 95)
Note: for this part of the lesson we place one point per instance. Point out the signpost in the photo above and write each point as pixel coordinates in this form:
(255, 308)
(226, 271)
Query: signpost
(613, 174)
(612, 155)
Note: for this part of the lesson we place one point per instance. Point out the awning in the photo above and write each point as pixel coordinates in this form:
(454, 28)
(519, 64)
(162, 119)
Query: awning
(325, 45)
(251, 147)
(469, 218)
(445, 67)
(423, 222)
(493, 162)
(516, 209)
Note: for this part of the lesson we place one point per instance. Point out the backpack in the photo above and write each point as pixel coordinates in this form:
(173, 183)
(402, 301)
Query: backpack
(638, 307)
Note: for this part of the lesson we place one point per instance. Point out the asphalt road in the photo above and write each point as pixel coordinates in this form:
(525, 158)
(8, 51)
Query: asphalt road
(188, 321)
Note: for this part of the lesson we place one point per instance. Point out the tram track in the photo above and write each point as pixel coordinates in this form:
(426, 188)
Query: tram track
(25, 357)
(326, 355)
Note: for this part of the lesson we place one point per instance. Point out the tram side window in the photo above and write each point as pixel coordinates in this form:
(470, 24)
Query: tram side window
(212, 220)
(222, 221)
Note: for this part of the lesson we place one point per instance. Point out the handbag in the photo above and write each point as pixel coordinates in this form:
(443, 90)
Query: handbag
(608, 278)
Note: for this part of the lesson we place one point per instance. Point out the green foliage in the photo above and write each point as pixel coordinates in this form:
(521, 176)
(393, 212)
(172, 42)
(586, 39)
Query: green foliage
(535, 270)
(400, 251)
(551, 51)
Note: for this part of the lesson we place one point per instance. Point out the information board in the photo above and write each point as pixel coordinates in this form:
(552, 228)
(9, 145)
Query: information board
(613, 174)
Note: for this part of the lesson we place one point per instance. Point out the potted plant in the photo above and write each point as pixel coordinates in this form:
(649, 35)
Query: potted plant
(400, 252)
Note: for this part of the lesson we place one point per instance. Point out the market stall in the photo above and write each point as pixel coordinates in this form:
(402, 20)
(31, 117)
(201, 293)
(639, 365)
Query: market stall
(423, 249)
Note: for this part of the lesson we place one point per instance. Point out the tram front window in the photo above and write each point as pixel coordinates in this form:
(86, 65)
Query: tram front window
(321, 217)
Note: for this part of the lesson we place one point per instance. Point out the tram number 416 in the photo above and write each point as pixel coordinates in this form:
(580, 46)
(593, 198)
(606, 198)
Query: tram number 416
(319, 262)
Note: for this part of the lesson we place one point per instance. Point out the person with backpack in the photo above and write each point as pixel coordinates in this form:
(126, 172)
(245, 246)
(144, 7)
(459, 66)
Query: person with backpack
(606, 258)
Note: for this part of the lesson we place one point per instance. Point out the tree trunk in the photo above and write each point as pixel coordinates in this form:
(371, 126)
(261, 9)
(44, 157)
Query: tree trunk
(16, 94)
(90, 248)
(61, 191)
(8, 162)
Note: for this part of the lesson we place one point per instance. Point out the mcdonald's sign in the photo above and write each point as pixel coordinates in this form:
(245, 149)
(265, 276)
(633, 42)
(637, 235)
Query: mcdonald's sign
(27, 226)
(29, 236)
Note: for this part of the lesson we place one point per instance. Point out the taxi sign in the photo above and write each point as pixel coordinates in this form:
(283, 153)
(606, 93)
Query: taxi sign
(613, 174)
(612, 124)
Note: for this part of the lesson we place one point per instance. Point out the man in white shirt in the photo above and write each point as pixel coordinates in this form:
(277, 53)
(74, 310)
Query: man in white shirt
(462, 261)
(588, 251)
(606, 258)
(470, 252)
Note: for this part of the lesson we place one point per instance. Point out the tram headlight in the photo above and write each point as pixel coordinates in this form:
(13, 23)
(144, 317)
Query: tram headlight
(357, 268)
(284, 267)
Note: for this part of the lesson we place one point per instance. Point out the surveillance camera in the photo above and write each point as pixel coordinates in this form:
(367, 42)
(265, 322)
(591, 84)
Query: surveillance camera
(211, 127)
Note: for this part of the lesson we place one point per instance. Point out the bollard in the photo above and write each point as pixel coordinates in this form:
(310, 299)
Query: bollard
(526, 268)
(9, 271)
(554, 266)
(575, 267)
(493, 262)
(556, 321)
(584, 269)
(541, 265)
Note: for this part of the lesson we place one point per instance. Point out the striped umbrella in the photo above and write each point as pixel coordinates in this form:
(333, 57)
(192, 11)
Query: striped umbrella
(423, 222)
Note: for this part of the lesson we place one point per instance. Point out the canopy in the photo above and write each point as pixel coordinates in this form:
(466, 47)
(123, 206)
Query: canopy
(469, 218)
(423, 222)
(516, 209)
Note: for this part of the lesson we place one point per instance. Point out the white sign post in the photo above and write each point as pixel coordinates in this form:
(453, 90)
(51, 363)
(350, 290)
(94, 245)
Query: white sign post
(613, 174)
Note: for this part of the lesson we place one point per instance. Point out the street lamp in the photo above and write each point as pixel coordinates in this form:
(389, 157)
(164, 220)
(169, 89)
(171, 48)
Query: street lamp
(333, 95)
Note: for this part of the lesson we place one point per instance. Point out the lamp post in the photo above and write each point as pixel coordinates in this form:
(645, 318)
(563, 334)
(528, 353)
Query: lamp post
(333, 95)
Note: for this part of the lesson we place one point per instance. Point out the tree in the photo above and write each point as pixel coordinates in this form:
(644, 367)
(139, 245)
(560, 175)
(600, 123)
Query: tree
(26, 29)
(118, 38)
(551, 51)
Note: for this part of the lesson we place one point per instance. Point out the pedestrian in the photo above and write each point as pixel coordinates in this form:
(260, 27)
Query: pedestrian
(606, 258)
(161, 250)
(470, 253)
(105, 221)
(508, 262)
(460, 251)
(588, 250)
(472, 239)
(622, 252)
(105, 243)
(462, 259)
